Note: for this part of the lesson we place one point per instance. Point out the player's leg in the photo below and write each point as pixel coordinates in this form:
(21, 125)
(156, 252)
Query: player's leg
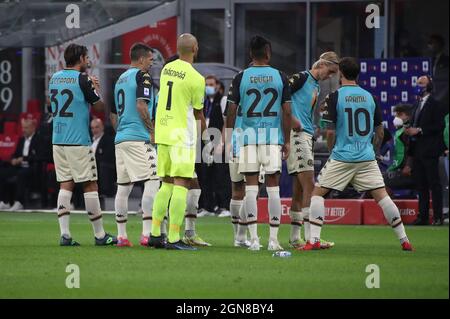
(238, 217)
(392, 215)
(316, 218)
(65, 178)
(249, 166)
(296, 215)
(190, 236)
(273, 192)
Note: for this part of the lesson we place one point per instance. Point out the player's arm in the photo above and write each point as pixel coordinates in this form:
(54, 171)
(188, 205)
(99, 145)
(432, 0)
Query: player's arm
(143, 97)
(378, 128)
(296, 83)
(234, 98)
(329, 118)
(286, 115)
(198, 98)
(113, 118)
(90, 92)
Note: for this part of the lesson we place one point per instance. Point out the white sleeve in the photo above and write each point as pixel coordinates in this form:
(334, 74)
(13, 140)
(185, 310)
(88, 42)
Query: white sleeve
(223, 104)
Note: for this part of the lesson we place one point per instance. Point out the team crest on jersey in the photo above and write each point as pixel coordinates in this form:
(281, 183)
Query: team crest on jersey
(146, 91)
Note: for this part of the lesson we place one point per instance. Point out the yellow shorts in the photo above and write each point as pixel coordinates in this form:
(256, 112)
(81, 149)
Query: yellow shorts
(175, 161)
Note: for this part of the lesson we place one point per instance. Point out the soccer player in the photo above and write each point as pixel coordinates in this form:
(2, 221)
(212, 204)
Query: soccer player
(261, 95)
(71, 92)
(305, 91)
(135, 155)
(180, 104)
(355, 116)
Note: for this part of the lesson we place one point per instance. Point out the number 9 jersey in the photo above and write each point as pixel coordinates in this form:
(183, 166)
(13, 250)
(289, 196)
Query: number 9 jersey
(355, 114)
(259, 92)
(71, 92)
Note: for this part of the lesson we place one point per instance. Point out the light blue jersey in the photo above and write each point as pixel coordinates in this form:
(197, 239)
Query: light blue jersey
(305, 90)
(260, 92)
(355, 114)
(132, 85)
(70, 94)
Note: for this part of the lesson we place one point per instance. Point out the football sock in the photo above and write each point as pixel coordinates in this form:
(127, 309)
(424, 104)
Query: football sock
(150, 190)
(94, 211)
(193, 196)
(392, 215)
(121, 208)
(177, 210)
(235, 206)
(251, 209)
(316, 217)
(64, 197)
(274, 210)
(296, 225)
(242, 226)
(304, 215)
(160, 205)
(164, 226)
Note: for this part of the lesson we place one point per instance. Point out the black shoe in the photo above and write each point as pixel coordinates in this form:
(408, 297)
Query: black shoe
(438, 221)
(107, 240)
(421, 222)
(67, 241)
(157, 242)
(179, 245)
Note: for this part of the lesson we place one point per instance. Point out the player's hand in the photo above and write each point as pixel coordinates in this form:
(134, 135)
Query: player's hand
(285, 150)
(96, 83)
(406, 171)
(296, 125)
(152, 138)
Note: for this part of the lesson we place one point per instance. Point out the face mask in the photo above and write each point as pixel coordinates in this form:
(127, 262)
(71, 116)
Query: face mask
(419, 90)
(397, 122)
(210, 90)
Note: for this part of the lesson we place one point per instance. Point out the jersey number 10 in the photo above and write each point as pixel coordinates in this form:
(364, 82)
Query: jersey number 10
(353, 121)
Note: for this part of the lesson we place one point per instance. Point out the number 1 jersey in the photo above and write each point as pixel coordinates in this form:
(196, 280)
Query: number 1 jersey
(70, 94)
(355, 114)
(259, 92)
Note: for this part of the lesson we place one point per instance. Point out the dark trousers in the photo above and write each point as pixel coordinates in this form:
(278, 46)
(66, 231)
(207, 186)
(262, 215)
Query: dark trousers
(426, 174)
(13, 183)
(215, 184)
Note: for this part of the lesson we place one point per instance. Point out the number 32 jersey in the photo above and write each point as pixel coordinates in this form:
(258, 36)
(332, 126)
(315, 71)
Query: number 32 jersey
(356, 114)
(259, 92)
(70, 94)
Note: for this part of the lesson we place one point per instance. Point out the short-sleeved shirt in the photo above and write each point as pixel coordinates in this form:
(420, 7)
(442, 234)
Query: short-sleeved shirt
(355, 113)
(259, 92)
(305, 90)
(71, 93)
(182, 89)
(131, 86)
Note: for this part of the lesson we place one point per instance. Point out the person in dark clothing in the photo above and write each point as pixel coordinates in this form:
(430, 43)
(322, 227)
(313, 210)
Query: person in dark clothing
(427, 145)
(22, 169)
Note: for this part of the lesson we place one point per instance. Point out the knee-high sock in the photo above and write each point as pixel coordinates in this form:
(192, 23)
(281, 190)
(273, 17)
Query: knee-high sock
(193, 196)
(392, 215)
(251, 209)
(177, 209)
(150, 189)
(242, 227)
(274, 211)
(316, 217)
(160, 205)
(235, 207)
(296, 225)
(64, 197)
(121, 208)
(94, 211)
(306, 224)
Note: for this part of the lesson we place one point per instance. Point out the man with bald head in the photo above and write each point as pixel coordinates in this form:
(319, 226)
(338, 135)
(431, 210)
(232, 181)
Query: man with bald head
(427, 144)
(180, 104)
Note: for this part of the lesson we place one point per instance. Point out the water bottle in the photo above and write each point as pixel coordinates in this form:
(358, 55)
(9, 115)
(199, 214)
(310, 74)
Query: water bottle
(282, 254)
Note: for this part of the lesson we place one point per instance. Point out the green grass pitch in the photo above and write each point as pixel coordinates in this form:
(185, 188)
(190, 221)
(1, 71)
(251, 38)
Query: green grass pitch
(32, 265)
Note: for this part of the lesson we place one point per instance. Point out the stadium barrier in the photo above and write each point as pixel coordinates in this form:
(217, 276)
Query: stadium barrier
(347, 211)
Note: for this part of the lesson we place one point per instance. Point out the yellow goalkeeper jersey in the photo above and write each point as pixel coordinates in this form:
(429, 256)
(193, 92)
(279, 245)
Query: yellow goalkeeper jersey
(182, 89)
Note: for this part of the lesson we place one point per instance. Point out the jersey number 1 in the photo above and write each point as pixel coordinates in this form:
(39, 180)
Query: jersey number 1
(169, 96)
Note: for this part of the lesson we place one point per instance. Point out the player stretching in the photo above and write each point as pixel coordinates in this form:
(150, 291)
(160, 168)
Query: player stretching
(354, 114)
(71, 91)
(305, 91)
(181, 96)
(135, 155)
(263, 96)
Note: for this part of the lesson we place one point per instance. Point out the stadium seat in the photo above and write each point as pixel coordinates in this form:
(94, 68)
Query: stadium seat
(10, 128)
(33, 106)
(8, 144)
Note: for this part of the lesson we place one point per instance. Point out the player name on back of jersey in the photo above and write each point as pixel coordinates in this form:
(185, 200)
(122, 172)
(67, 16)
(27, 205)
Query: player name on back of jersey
(123, 79)
(178, 74)
(356, 99)
(64, 80)
(261, 79)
